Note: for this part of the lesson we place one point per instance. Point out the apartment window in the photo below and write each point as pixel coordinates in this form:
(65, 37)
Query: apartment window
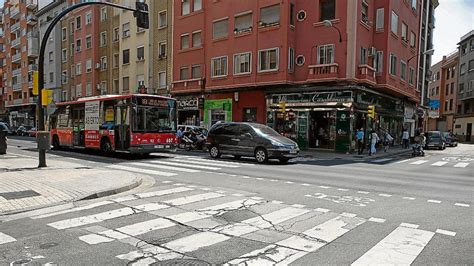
(292, 14)
(183, 73)
(88, 42)
(185, 7)
(88, 18)
(103, 63)
(243, 22)
(462, 69)
(365, 11)
(103, 14)
(64, 34)
(184, 41)
(162, 49)
(412, 39)
(411, 77)
(126, 56)
(268, 60)
(78, 45)
(196, 71)
(393, 64)
(51, 77)
(220, 29)
(89, 66)
(471, 65)
(78, 23)
(438, 75)
(140, 53)
(404, 32)
(471, 43)
(445, 106)
(363, 56)
(394, 23)
(453, 71)
(403, 70)
(126, 30)
(78, 69)
(450, 104)
(197, 5)
(103, 87)
(126, 84)
(73, 70)
(448, 73)
(437, 90)
(162, 80)
(78, 90)
(379, 19)
(270, 15)
(326, 54)
(103, 38)
(115, 86)
(115, 37)
(242, 63)
(162, 19)
(64, 77)
(64, 55)
(51, 56)
(219, 67)
(71, 27)
(413, 4)
(291, 60)
(327, 9)
(140, 80)
(379, 62)
(464, 49)
(461, 87)
(116, 60)
(452, 88)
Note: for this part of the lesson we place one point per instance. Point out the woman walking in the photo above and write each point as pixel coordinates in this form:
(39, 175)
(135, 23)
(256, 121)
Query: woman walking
(374, 139)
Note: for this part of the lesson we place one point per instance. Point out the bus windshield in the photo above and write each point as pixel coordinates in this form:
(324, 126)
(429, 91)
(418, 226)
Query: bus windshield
(154, 119)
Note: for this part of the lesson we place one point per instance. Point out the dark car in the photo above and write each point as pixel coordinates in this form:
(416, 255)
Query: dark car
(451, 140)
(23, 130)
(434, 139)
(250, 139)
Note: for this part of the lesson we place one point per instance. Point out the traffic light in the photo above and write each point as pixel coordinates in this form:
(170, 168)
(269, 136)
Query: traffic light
(371, 111)
(141, 14)
(282, 106)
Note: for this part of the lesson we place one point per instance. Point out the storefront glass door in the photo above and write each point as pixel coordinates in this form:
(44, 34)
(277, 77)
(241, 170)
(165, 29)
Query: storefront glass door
(322, 129)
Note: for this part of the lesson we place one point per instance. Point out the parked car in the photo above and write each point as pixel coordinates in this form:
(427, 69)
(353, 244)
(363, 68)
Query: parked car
(23, 130)
(434, 139)
(250, 139)
(451, 140)
(32, 132)
(5, 127)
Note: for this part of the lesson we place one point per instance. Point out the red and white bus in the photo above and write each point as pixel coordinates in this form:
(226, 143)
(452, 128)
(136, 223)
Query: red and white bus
(136, 123)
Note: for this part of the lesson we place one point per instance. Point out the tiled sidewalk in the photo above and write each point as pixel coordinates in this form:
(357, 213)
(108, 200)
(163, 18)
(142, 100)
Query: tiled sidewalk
(24, 187)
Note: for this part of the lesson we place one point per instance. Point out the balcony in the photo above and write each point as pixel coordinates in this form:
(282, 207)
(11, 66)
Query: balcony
(31, 4)
(33, 52)
(16, 57)
(33, 100)
(467, 95)
(16, 86)
(32, 67)
(323, 72)
(17, 101)
(14, 12)
(16, 43)
(31, 20)
(16, 72)
(15, 27)
(188, 85)
(366, 72)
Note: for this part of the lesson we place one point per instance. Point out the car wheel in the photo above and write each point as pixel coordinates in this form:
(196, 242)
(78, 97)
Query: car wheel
(106, 147)
(261, 155)
(284, 160)
(237, 156)
(56, 144)
(215, 152)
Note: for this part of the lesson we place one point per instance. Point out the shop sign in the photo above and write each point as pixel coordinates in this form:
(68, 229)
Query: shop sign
(434, 104)
(433, 114)
(409, 111)
(315, 97)
(343, 131)
(188, 104)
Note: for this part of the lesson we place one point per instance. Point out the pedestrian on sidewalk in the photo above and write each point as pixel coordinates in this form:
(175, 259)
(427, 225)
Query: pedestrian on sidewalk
(387, 140)
(405, 138)
(374, 139)
(360, 141)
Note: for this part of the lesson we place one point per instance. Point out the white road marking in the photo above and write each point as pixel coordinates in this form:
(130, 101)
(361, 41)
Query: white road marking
(233, 205)
(237, 195)
(245, 177)
(90, 219)
(87, 207)
(207, 162)
(187, 165)
(163, 192)
(348, 214)
(419, 162)
(4, 238)
(409, 198)
(196, 241)
(363, 192)
(259, 178)
(413, 226)
(445, 232)
(306, 185)
(165, 167)
(139, 170)
(433, 201)
(400, 247)
(321, 210)
(382, 160)
(298, 205)
(343, 189)
(269, 255)
(325, 187)
(277, 202)
(377, 220)
(150, 207)
(158, 253)
(440, 163)
(257, 198)
(167, 182)
(461, 165)
(289, 182)
(93, 239)
(193, 198)
(385, 195)
(461, 204)
(403, 161)
(226, 162)
(144, 227)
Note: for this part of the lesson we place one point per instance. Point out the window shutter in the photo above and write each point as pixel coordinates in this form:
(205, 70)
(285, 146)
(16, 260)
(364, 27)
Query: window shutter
(243, 22)
(220, 29)
(379, 24)
(270, 15)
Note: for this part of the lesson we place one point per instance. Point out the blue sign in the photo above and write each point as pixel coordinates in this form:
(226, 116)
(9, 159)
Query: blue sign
(434, 104)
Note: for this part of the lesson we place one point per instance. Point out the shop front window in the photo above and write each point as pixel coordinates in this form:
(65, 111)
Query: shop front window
(322, 131)
(285, 124)
(250, 115)
(217, 115)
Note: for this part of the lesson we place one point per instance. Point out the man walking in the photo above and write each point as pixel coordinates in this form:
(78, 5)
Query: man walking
(360, 141)
(405, 138)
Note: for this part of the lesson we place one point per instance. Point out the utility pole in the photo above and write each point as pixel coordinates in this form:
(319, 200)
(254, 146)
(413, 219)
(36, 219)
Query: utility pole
(142, 16)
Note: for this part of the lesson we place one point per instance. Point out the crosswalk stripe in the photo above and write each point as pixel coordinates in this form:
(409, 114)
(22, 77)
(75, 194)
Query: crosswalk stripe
(461, 165)
(144, 227)
(440, 163)
(382, 160)
(187, 165)
(403, 161)
(225, 162)
(179, 169)
(163, 192)
(400, 247)
(206, 162)
(419, 162)
(151, 250)
(193, 198)
(269, 255)
(139, 170)
(196, 241)
(4, 238)
(90, 219)
(87, 207)
(221, 208)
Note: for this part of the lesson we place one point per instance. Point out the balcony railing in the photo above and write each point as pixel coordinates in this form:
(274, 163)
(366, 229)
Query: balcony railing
(31, 20)
(16, 72)
(367, 72)
(33, 100)
(16, 57)
(325, 71)
(33, 52)
(17, 101)
(16, 42)
(33, 67)
(16, 86)
(466, 95)
(14, 12)
(15, 27)
(31, 4)
(189, 84)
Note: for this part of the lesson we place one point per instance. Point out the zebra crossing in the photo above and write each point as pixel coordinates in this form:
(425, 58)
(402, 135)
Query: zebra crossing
(425, 161)
(207, 221)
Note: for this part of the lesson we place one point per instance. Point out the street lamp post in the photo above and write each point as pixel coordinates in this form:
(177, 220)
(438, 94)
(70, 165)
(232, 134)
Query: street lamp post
(328, 24)
(141, 13)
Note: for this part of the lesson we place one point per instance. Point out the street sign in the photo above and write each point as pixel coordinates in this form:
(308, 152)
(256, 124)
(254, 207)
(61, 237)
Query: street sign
(46, 97)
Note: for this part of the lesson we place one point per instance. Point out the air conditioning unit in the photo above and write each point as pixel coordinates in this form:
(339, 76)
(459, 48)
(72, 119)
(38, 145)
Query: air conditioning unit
(97, 66)
(372, 51)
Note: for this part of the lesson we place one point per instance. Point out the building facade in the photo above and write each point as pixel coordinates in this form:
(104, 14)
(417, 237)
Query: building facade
(3, 113)
(464, 119)
(434, 93)
(244, 60)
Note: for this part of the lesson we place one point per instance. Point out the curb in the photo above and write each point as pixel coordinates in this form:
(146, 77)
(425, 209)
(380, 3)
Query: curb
(358, 157)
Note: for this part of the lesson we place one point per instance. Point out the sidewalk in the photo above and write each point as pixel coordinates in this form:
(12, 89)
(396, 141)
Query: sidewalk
(331, 155)
(23, 187)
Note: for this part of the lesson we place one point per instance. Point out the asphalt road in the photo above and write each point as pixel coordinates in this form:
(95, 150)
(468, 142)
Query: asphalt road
(362, 211)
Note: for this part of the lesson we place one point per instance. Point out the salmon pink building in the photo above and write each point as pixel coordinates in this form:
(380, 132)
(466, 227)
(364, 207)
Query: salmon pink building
(309, 69)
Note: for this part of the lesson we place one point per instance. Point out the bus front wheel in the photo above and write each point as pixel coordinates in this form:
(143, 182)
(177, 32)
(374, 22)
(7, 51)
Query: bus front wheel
(106, 147)
(56, 144)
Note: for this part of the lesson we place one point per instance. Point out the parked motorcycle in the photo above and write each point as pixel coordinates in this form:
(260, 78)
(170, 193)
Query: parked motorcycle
(192, 141)
(417, 150)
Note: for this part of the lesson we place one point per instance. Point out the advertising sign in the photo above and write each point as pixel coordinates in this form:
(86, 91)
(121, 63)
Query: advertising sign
(434, 104)
(343, 131)
(92, 115)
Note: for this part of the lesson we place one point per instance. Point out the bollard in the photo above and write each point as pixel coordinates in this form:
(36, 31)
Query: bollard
(3, 142)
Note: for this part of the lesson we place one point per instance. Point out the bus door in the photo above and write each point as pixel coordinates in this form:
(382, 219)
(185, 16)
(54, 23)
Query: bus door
(78, 127)
(122, 128)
